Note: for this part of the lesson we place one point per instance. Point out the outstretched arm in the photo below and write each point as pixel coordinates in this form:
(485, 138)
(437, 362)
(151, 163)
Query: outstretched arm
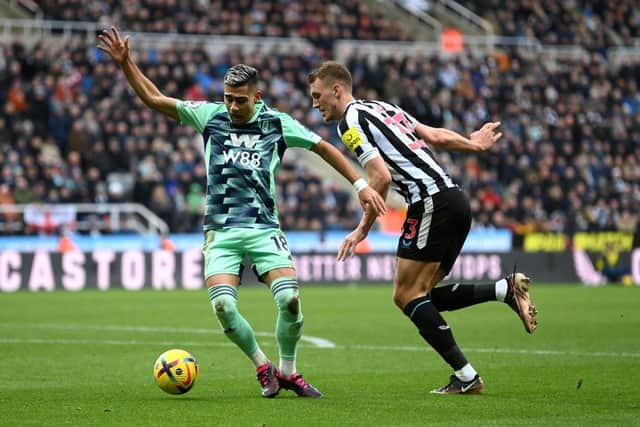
(480, 140)
(118, 49)
(369, 197)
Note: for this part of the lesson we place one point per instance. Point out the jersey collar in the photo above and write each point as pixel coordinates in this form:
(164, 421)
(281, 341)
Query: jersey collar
(346, 108)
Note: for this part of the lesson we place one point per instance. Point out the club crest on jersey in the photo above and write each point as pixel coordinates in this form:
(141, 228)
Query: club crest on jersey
(265, 125)
(352, 139)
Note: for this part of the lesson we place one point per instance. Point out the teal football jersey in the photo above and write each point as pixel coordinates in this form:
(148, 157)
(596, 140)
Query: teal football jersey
(242, 161)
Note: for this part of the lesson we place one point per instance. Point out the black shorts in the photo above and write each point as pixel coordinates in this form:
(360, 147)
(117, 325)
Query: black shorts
(435, 229)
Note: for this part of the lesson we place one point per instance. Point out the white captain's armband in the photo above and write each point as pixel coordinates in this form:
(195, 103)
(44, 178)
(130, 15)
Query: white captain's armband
(352, 139)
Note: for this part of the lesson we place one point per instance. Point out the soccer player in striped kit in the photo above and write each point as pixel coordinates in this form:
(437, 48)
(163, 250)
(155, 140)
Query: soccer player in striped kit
(392, 146)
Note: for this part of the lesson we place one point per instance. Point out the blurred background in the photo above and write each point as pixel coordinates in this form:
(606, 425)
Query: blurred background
(93, 181)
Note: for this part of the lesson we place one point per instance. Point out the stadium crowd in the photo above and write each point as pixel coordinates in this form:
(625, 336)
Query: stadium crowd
(71, 130)
(320, 22)
(593, 24)
(569, 159)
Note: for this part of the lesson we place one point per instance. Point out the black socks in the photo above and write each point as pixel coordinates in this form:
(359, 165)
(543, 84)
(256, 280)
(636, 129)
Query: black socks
(454, 297)
(434, 329)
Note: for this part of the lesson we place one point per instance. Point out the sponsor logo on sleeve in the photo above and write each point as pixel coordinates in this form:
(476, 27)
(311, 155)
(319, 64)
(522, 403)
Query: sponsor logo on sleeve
(193, 104)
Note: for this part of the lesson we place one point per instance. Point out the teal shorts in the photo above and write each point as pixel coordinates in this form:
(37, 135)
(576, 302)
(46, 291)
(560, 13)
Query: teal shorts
(224, 250)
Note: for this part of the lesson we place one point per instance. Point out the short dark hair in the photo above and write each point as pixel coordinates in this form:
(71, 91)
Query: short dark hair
(332, 71)
(240, 75)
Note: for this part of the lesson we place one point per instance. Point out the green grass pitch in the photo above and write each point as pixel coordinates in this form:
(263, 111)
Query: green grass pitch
(86, 359)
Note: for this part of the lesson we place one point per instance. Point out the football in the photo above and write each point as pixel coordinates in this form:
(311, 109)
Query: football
(175, 371)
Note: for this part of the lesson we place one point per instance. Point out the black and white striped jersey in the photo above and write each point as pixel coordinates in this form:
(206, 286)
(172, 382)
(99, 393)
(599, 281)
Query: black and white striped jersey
(375, 128)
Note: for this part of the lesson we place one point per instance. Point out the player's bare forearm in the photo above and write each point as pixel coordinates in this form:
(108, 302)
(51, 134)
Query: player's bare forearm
(445, 138)
(379, 176)
(367, 221)
(380, 181)
(117, 48)
(480, 140)
(332, 155)
(366, 194)
(147, 91)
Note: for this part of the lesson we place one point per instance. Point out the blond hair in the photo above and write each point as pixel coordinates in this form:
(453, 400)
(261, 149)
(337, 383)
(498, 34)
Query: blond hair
(331, 72)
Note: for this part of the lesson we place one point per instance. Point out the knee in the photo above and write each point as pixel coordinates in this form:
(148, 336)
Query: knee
(406, 291)
(399, 299)
(399, 296)
(224, 305)
(288, 300)
(293, 305)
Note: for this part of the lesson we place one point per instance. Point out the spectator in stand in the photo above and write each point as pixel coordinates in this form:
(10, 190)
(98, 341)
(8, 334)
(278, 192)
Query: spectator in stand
(580, 22)
(321, 23)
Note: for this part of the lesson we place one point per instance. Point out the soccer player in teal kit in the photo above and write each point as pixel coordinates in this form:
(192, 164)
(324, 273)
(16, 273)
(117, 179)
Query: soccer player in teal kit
(244, 143)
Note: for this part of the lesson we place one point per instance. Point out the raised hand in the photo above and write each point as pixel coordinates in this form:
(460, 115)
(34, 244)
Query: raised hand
(112, 44)
(486, 136)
